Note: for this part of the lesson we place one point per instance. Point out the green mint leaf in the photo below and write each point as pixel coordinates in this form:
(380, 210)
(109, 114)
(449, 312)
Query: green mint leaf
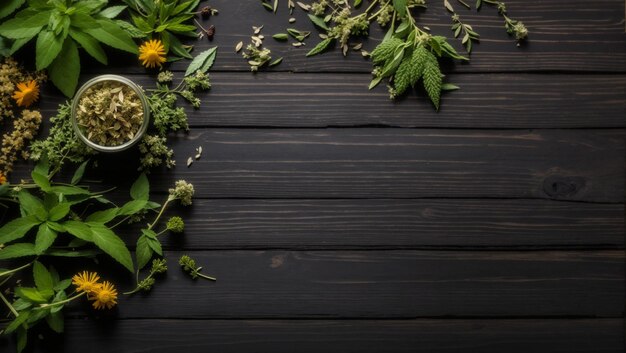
(55, 321)
(45, 238)
(65, 69)
(17, 228)
(112, 35)
(131, 207)
(26, 24)
(8, 6)
(17, 323)
(78, 229)
(32, 205)
(43, 278)
(111, 244)
(143, 252)
(59, 211)
(41, 181)
(90, 45)
(103, 216)
(400, 6)
(31, 294)
(140, 190)
(112, 12)
(78, 175)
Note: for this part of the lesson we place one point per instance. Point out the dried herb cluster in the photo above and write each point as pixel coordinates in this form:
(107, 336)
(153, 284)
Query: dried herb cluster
(110, 112)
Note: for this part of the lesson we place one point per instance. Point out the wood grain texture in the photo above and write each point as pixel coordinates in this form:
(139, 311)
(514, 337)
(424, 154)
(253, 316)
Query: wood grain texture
(381, 284)
(579, 165)
(353, 336)
(484, 101)
(576, 37)
(385, 224)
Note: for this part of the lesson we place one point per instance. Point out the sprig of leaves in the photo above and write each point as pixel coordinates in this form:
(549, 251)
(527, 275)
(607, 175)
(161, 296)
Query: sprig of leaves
(60, 28)
(458, 27)
(168, 21)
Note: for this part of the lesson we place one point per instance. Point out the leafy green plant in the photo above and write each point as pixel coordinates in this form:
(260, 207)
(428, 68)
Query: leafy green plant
(166, 20)
(60, 28)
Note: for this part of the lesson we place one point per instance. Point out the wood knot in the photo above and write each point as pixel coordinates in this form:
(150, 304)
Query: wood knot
(560, 186)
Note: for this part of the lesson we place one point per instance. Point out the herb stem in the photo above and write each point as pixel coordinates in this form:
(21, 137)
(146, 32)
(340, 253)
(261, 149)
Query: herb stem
(6, 302)
(2, 274)
(160, 214)
(205, 276)
(63, 301)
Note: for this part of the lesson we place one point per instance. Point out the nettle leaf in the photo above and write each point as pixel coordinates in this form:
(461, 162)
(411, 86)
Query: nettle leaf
(202, 62)
(90, 45)
(321, 46)
(7, 7)
(143, 252)
(112, 35)
(17, 228)
(432, 79)
(385, 50)
(45, 238)
(140, 190)
(43, 278)
(111, 244)
(17, 250)
(65, 69)
(132, 31)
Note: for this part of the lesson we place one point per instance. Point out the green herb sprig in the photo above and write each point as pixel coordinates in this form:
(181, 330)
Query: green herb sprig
(61, 27)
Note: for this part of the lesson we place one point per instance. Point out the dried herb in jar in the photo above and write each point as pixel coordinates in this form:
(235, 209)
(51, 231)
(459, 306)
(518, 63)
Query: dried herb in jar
(110, 113)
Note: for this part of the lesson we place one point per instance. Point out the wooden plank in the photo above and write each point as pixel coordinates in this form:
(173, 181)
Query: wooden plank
(382, 284)
(304, 336)
(376, 224)
(579, 165)
(582, 36)
(484, 101)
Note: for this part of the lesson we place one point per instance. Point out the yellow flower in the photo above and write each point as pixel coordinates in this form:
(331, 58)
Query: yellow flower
(86, 281)
(104, 296)
(3, 179)
(152, 53)
(27, 93)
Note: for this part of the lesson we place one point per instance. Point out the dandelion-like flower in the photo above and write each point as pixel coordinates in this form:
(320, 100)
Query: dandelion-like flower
(152, 53)
(3, 179)
(86, 281)
(104, 296)
(27, 93)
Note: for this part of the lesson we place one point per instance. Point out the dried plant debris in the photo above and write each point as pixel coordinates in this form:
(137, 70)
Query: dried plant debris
(110, 113)
(255, 53)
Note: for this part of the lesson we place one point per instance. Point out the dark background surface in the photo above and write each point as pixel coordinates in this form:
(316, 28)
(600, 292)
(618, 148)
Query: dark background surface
(339, 221)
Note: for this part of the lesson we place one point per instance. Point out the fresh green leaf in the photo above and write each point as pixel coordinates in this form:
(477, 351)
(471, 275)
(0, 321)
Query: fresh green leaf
(22, 338)
(65, 69)
(48, 47)
(17, 228)
(41, 181)
(68, 190)
(45, 238)
(31, 294)
(111, 244)
(140, 190)
(17, 322)
(375, 81)
(132, 31)
(32, 205)
(318, 21)
(24, 26)
(143, 252)
(112, 12)
(78, 229)
(132, 207)
(59, 211)
(432, 79)
(43, 165)
(281, 36)
(400, 6)
(320, 47)
(42, 277)
(202, 62)
(155, 245)
(90, 45)
(103, 216)
(80, 171)
(62, 285)
(176, 47)
(17, 250)
(55, 321)
(7, 7)
(449, 87)
(112, 35)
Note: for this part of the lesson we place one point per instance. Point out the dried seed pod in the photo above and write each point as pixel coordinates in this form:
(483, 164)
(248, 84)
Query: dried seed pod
(210, 32)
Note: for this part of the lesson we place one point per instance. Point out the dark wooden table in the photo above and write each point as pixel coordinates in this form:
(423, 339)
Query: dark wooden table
(339, 221)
